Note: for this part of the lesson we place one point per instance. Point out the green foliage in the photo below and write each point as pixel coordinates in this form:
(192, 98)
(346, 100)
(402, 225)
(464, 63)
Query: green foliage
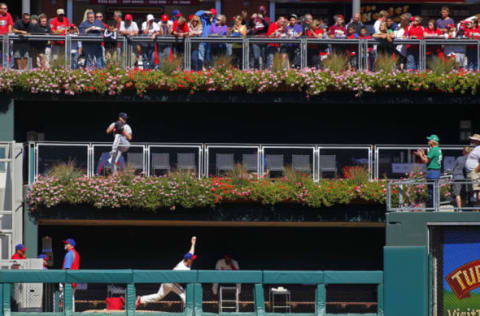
(279, 63)
(66, 172)
(441, 66)
(356, 174)
(223, 63)
(385, 63)
(336, 62)
(169, 65)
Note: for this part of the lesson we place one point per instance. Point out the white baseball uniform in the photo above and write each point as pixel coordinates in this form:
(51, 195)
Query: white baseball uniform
(120, 145)
(166, 288)
(223, 265)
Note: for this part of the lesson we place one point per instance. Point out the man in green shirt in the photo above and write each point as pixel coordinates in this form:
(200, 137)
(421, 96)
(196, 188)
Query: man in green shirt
(433, 160)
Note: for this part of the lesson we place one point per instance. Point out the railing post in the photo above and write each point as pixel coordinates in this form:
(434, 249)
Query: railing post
(190, 300)
(380, 299)
(68, 49)
(125, 52)
(246, 53)
(259, 300)
(478, 55)
(130, 298)
(360, 55)
(6, 308)
(197, 299)
(389, 196)
(321, 300)
(68, 301)
(5, 51)
(56, 306)
(186, 54)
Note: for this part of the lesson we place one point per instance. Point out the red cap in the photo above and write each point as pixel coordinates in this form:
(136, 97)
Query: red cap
(190, 17)
(164, 18)
(128, 17)
(340, 16)
(213, 11)
(412, 18)
(450, 25)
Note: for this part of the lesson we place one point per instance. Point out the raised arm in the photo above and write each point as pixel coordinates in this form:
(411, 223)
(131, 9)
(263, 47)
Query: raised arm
(192, 247)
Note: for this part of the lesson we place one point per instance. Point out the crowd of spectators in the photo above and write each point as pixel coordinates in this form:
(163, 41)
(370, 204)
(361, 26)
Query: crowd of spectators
(207, 23)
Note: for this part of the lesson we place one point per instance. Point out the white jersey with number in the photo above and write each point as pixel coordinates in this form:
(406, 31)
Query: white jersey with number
(181, 266)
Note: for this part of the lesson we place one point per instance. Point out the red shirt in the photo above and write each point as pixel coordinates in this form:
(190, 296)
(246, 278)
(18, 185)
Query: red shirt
(177, 28)
(5, 21)
(115, 303)
(433, 32)
(272, 29)
(75, 264)
(414, 31)
(60, 27)
(337, 31)
(17, 256)
(370, 49)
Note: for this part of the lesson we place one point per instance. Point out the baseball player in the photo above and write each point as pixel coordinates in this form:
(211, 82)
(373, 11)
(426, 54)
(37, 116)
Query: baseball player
(166, 288)
(226, 263)
(19, 252)
(123, 135)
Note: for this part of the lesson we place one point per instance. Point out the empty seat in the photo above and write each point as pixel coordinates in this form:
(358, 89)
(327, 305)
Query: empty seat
(186, 161)
(135, 160)
(301, 163)
(250, 162)
(328, 163)
(160, 161)
(275, 163)
(224, 162)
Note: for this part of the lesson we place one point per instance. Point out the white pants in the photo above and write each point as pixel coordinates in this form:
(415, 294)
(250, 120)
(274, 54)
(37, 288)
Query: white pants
(119, 146)
(162, 292)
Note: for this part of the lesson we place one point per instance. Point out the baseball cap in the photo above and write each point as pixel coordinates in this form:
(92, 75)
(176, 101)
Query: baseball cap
(42, 256)
(341, 16)
(20, 247)
(70, 241)
(128, 17)
(176, 13)
(190, 17)
(123, 115)
(60, 12)
(150, 17)
(164, 18)
(450, 25)
(293, 15)
(213, 11)
(188, 256)
(434, 138)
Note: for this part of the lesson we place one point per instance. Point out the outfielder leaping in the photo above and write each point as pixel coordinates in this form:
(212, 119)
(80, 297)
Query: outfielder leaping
(166, 288)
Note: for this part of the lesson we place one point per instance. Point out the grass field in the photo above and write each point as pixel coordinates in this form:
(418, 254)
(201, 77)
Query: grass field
(452, 303)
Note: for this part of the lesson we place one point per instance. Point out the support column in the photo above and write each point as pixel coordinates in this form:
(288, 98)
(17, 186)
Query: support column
(25, 6)
(355, 7)
(30, 230)
(6, 119)
(69, 10)
(218, 6)
(272, 10)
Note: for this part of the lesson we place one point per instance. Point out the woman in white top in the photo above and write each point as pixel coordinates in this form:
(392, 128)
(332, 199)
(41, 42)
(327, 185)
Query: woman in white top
(149, 28)
(196, 29)
(400, 34)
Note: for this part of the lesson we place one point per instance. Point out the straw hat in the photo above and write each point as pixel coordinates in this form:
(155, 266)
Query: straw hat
(475, 137)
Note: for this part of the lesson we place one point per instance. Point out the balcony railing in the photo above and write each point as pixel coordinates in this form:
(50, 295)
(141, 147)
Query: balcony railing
(261, 160)
(126, 48)
(129, 279)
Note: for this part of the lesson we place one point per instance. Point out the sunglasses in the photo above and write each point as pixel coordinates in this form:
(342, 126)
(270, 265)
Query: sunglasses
(99, 16)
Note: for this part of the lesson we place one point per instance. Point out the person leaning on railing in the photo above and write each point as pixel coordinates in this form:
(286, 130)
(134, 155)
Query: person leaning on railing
(93, 50)
(180, 30)
(458, 173)
(164, 29)
(38, 47)
(472, 167)
(149, 28)
(59, 26)
(21, 48)
(195, 30)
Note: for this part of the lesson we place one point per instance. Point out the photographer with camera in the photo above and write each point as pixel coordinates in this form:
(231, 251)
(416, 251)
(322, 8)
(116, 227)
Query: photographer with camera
(123, 135)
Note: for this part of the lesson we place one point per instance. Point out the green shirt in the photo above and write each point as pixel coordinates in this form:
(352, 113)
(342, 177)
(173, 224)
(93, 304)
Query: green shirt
(435, 158)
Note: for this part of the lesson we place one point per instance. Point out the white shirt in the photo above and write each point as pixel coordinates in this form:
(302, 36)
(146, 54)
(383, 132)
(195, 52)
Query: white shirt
(153, 28)
(376, 26)
(181, 266)
(222, 265)
(132, 27)
(472, 159)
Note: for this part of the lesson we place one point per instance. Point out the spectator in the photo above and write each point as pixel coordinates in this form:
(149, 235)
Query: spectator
(59, 26)
(385, 39)
(434, 162)
(6, 21)
(149, 27)
(391, 25)
(456, 52)
(472, 167)
(238, 30)
(164, 29)
(338, 30)
(263, 12)
(459, 189)
(382, 17)
(19, 252)
(76, 49)
(129, 28)
(33, 19)
(219, 28)
(44, 257)
(258, 28)
(352, 50)
(472, 31)
(206, 21)
(444, 20)
(356, 22)
(22, 47)
(275, 30)
(315, 32)
(38, 47)
(71, 260)
(400, 33)
(196, 30)
(176, 14)
(414, 31)
(227, 263)
(432, 32)
(371, 55)
(294, 30)
(92, 50)
(307, 21)
(117, 17)
(180, 30)
(99, 17)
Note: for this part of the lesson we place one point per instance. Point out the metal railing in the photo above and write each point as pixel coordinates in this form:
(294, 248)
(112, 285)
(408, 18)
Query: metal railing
(194, 280)
(272, 160)
(128, 46)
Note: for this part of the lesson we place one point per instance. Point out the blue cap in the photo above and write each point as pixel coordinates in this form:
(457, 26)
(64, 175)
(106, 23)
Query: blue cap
(20, 247)
(123, 115)
(189, 256)
(42, 256)
(176, 13)
(70, 241)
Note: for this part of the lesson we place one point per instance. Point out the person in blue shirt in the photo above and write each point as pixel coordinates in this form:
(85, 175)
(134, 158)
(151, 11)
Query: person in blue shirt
(93, 50)
(206, 18)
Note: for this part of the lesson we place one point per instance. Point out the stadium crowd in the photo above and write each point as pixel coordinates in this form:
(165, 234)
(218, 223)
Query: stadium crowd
(207, 23)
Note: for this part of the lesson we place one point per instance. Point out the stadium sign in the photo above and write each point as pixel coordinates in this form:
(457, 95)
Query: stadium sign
(465, 279)
(144, 2)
